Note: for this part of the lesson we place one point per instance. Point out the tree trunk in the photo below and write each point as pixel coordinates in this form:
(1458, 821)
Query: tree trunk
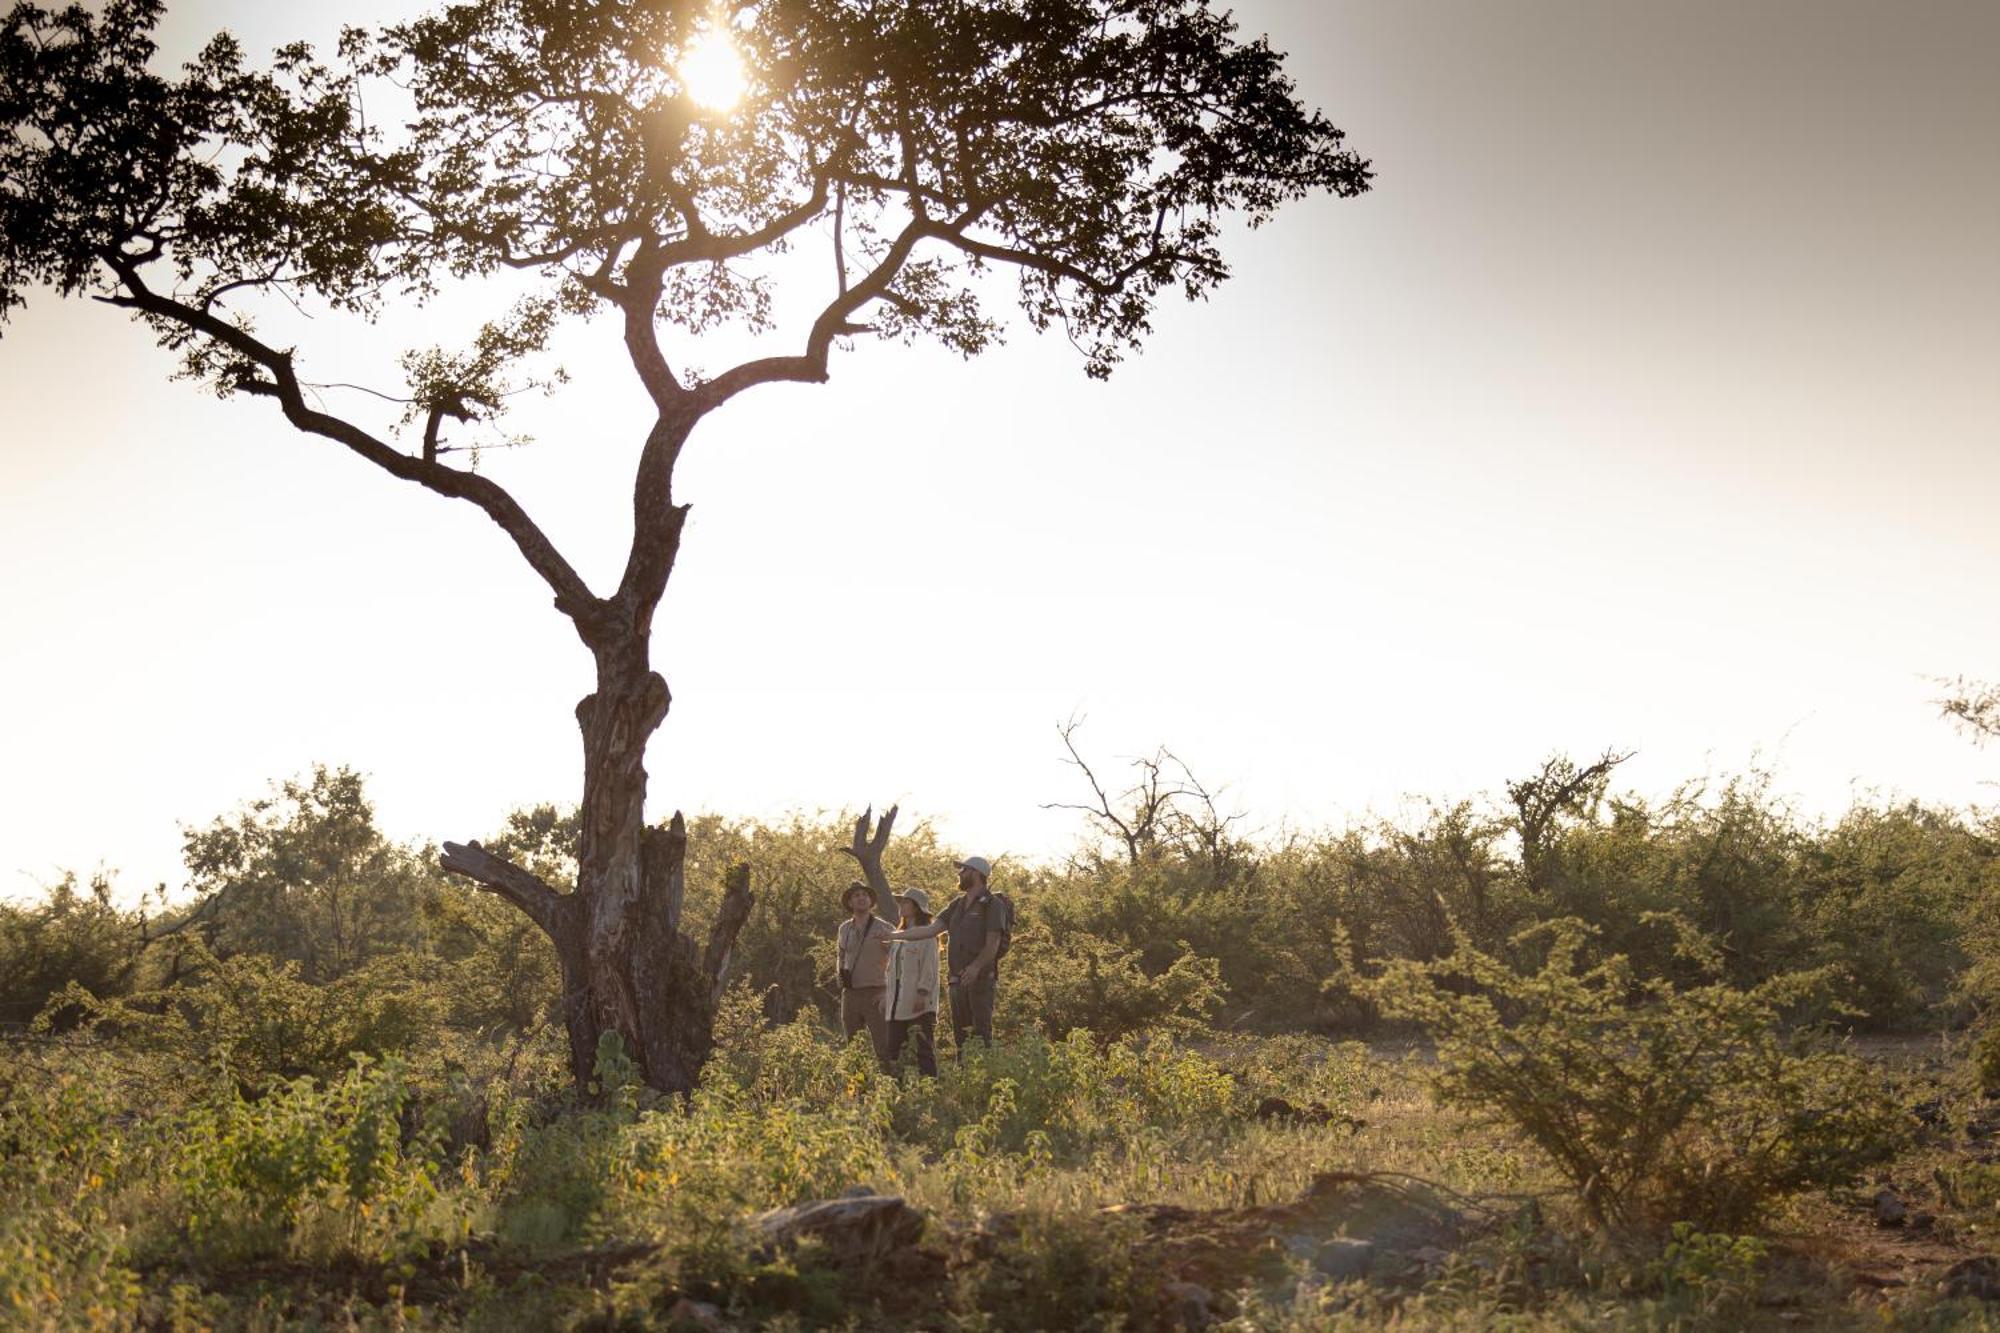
(627, 967)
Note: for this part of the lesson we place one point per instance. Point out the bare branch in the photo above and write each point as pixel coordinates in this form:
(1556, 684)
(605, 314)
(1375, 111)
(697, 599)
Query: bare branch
(810, 367)
(1207, 828)
(357, 388)
(1102, 810)
(656, 520)
(437, 415)
(836, 319)
(1056, 268)
(867, 849)
(213, 295)
(502, 877)
(573, 596)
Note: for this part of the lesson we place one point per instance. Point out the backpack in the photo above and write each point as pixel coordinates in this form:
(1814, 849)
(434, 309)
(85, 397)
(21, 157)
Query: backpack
(1007, 935)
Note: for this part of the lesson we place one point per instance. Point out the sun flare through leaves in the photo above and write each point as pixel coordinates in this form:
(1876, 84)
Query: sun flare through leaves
(712, 72)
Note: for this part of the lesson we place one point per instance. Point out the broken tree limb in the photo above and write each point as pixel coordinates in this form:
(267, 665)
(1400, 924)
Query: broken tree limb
(729, 918)
(663, 863)
(500, 876)
(867, 852)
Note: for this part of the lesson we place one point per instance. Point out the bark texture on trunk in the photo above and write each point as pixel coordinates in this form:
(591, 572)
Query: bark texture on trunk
(627, 966)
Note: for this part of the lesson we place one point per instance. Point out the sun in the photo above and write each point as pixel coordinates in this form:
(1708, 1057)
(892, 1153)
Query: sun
(712, 72)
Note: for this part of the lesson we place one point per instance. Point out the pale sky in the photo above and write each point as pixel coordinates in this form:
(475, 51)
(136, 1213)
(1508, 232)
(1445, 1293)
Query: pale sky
(1649, 401)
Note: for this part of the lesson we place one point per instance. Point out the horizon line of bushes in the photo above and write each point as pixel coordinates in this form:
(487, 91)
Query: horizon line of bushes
(311, 936)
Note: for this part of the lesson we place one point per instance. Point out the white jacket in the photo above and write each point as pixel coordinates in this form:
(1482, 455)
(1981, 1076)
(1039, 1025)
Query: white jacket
(913, 970)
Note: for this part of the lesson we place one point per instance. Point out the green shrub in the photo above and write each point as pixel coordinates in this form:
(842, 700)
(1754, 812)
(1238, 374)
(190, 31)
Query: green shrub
(1077, 1095)
(1657, 1103)
(1094, 985)
(315, 1169)
(1970, 1186)
(693, 1174)
(801, 1059)
(1307, 1071)
(1079, 1090)
(1060, 1271)
(256, 1017)
(65, 1252)
(68, 1278)
(1886, 895)
(1713, 1272)
(553, 1179)
(74, 935)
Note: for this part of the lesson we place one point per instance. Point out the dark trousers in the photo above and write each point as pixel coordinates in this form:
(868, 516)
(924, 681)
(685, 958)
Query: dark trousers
(924, 1028)
(972, 1009)
(862, 1007)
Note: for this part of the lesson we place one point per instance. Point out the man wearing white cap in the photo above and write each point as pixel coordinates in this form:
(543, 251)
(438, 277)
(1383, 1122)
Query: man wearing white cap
(980, 923)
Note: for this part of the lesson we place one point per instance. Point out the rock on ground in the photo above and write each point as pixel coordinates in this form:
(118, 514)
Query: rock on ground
(855, 1228)
(1977, 1277)
(1344, 1259)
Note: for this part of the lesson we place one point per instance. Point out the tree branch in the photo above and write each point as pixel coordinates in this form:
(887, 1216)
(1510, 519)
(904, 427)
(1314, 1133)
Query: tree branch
(431, 426)
(867, 851)
(708, 247)
(1057, 268)
(573, 597)
(639, 299)
(729, 918)
(809, 367)
(502, 877)
(1131, 837)
(656, 520)
(663, 867)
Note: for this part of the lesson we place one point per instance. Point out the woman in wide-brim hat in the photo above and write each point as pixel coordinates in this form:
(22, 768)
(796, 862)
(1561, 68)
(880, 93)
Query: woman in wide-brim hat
(911, 997)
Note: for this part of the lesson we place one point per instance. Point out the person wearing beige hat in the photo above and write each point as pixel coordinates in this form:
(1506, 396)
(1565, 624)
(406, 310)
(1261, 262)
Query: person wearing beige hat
(864, 968)
(981, 925)
(912, 993)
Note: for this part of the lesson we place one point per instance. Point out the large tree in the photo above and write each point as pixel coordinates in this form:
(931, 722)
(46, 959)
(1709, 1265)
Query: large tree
(647, 160)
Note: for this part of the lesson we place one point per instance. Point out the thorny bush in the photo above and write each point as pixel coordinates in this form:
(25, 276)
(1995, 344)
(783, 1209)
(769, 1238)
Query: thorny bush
(1658, 1103)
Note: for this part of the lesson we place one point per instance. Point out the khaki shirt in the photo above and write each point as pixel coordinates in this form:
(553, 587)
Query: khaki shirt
(864, 953)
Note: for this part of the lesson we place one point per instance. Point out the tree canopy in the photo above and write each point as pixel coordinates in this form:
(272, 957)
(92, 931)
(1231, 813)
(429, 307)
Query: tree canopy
(1092, 147)
(673, 166)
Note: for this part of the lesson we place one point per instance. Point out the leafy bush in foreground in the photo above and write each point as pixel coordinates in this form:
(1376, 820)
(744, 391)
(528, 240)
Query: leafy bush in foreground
(1657, 1103)
(318, 1170)
(64, 1259)
(1072, 1097)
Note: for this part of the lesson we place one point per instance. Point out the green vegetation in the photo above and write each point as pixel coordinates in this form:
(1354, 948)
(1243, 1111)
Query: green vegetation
(1575, 1059)
(1655, 1102)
